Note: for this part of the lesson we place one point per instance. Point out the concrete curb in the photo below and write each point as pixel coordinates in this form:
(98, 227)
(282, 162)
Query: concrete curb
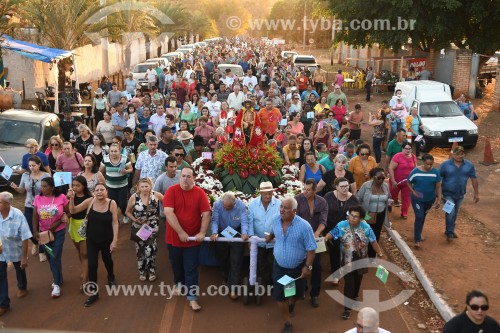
(446, 312)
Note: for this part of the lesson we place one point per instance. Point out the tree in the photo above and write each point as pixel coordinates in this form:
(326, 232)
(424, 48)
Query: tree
(230, 16)
(61, 24)
(437, 24)
(8, 8)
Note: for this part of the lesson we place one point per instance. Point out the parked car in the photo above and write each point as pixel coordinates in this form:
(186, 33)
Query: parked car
(288, 54)
(303, 61)
(171, 56)
(162, 61)
(235, 69)
(139, 73)
(184, 50)
(17, 126)
(444, 123)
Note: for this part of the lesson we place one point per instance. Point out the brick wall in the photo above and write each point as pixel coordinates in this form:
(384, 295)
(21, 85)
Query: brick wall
(461, 72)
(496, 92)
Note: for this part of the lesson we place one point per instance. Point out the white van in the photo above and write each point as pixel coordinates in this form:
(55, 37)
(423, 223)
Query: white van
(443, 121)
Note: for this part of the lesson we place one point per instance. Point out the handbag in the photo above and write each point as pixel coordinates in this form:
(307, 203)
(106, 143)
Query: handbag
(134, 230)
(373, 217)
(45, 237)
(82, 168)
(82, 231)
(356, 255)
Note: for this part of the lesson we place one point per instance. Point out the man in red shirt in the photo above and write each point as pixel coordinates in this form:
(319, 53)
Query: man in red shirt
(270, 118)
(187, 211)
(302, 81)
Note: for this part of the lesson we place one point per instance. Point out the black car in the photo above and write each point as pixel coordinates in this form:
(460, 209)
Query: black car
(16, 126)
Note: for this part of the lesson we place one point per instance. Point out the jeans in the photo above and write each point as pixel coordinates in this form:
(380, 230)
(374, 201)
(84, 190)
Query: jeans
(368, 86)
(377, 148)
(22, 283)
(93, 249)
(184, 262)
(318, 86)
(28, 214)
(452, 218)
(55, 261)
(395, 125)
(230, 256)
(420, 208)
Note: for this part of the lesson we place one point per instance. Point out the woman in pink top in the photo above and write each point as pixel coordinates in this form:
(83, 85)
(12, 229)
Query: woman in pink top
(51, 214)
(69, 160)
(340, 111)
(400, 167)
(296, 126)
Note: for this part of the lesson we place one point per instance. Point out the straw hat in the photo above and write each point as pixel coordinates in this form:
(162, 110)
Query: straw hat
(266, 187)
(99, 91)
(184, 135)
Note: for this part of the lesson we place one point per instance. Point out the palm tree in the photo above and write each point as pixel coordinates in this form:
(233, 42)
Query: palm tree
(8, 8)
(62, 24)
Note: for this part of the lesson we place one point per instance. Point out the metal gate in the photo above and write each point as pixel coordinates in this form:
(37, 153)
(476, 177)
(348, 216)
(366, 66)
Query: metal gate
(443, 71)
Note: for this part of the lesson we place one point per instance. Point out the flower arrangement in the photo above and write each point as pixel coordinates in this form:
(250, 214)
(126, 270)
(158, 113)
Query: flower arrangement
(206, 179)
(248, 160)
(290, 185)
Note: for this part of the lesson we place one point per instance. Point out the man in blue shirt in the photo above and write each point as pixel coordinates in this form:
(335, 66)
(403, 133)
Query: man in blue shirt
(294, 255)
(229, 212)
(262, 211)
(455, 173)
(119, 120)
(328, 161)
(14, 232)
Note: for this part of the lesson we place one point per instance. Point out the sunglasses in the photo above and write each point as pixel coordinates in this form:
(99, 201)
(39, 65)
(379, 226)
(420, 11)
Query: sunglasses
(333, 151)
(364, 154)
(476, 307)
(54, 144)
(380, 177)
(343, 186)
(178, 155)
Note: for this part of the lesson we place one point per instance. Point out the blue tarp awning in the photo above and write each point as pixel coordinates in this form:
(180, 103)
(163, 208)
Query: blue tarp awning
(33, 51)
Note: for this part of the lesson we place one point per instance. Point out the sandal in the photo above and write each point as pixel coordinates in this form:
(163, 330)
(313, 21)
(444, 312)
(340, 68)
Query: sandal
(194, 306)
(152, 278)
(142, 277)
(417, 245)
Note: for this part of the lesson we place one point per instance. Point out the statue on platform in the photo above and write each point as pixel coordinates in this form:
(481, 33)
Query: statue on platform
(247, 128)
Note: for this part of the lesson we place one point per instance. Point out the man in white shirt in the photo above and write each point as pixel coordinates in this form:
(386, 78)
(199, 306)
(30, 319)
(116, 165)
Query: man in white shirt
(130, 85)
(151, 75)
(236, 98)
(213, 105)
(249, 80)
(367, 322)
(228, 80)
(158, 120)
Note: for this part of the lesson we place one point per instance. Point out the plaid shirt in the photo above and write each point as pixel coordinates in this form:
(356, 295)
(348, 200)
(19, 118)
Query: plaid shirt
(13, 231)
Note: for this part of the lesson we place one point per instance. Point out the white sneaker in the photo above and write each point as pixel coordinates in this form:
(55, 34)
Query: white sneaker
(34, 250)
(56, 291)
(42, 257)
(125, 220)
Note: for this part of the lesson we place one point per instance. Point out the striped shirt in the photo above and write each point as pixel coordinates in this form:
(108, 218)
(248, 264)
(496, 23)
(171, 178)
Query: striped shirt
(114, 177)
(14, 230)
(290, 249)
(424, 182)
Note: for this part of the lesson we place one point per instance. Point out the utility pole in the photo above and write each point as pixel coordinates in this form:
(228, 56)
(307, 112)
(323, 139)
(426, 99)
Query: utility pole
(304, 27)
(333, 38)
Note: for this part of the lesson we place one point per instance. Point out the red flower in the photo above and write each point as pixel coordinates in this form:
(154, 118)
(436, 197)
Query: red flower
(272, 173)
(243, 174)
(263, 171)
(230, 170)
(253, 171)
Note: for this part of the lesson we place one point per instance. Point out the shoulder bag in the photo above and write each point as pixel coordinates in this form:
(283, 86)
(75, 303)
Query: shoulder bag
(47, 236)
(82, 231)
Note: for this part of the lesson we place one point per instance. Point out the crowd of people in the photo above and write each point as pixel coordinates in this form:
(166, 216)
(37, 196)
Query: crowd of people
(135, 168)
